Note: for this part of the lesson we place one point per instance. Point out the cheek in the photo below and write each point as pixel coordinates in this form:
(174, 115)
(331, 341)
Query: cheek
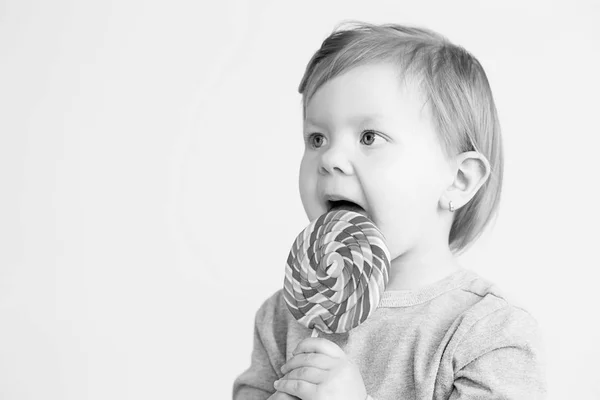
(307, 185)
(306, 177)
(397, 222)
(401, 204)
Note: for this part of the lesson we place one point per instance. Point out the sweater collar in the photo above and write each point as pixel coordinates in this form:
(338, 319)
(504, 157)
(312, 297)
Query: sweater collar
(406, 298)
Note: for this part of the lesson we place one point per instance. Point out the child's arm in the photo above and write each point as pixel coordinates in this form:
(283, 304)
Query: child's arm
(500, 357)
(268, 354)
(256, 383)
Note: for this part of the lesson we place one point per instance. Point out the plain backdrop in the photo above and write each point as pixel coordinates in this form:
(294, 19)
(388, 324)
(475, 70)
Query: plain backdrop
(149, 158)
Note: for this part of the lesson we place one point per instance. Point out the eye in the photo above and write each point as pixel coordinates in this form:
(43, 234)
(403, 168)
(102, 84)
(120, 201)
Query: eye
(314, 140)
(369, 137)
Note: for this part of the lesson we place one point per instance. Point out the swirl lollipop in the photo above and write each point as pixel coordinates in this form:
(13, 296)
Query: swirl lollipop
(336, 271)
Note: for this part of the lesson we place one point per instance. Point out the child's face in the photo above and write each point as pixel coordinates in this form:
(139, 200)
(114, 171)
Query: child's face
(373, 143)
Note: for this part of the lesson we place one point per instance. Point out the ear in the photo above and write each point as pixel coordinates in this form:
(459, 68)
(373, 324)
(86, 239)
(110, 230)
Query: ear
(472, 171)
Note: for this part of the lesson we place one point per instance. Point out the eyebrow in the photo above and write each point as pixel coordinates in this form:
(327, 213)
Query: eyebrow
(358, 120)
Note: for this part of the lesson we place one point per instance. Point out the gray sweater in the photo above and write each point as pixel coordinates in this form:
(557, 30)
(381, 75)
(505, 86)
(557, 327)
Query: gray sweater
(458, 338)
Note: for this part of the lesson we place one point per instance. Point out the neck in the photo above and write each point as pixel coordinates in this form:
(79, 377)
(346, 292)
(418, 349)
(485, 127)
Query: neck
(415, 269)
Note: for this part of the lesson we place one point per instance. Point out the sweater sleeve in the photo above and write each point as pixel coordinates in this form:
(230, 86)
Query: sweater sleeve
(500, 357)
(256, 383)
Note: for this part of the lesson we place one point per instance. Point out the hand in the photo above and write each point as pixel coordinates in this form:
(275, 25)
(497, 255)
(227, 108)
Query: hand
(320, 370)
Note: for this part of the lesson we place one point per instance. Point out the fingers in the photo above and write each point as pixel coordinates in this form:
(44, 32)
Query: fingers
(296, 388)
(319, 345)
(308, 374)
(309, 367)
(311, 360)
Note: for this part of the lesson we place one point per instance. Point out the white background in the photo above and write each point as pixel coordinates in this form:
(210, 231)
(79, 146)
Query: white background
(149, 156)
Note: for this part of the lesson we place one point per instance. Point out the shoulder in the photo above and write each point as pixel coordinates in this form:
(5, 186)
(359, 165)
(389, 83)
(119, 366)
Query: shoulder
(273, 307)
(495, 347)
(492, 303)
(276, 327)
(494, 321)
(274, 316)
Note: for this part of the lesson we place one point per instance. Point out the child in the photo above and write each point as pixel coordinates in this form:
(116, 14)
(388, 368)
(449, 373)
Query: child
(402, 123)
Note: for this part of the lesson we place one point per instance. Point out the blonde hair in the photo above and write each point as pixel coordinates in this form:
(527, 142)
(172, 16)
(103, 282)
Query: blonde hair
(457, 91)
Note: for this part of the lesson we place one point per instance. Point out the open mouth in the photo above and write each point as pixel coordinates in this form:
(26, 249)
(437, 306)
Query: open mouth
(344, 204)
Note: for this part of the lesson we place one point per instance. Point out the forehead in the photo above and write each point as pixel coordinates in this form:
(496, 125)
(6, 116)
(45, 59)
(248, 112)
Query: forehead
(365, 93)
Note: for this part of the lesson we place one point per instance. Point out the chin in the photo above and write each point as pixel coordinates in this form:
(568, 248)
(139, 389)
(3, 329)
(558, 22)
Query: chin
(312, 213)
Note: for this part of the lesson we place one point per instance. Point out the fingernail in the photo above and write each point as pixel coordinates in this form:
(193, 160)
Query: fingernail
(276, 383)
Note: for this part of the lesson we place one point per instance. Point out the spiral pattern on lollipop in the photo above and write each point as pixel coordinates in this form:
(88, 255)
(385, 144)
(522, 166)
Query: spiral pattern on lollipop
(336, 272)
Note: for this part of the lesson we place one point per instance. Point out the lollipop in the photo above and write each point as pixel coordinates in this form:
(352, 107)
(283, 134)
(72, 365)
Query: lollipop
(336, 271)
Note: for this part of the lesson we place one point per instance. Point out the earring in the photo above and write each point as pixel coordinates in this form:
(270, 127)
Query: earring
(450, 206)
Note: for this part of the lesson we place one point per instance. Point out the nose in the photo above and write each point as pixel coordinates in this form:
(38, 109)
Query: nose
(336, 159)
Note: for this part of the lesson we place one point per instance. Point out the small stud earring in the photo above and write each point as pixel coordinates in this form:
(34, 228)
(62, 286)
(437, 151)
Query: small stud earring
(450, 206)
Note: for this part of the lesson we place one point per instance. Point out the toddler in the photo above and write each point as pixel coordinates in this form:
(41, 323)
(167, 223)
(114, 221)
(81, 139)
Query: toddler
(402, 123)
